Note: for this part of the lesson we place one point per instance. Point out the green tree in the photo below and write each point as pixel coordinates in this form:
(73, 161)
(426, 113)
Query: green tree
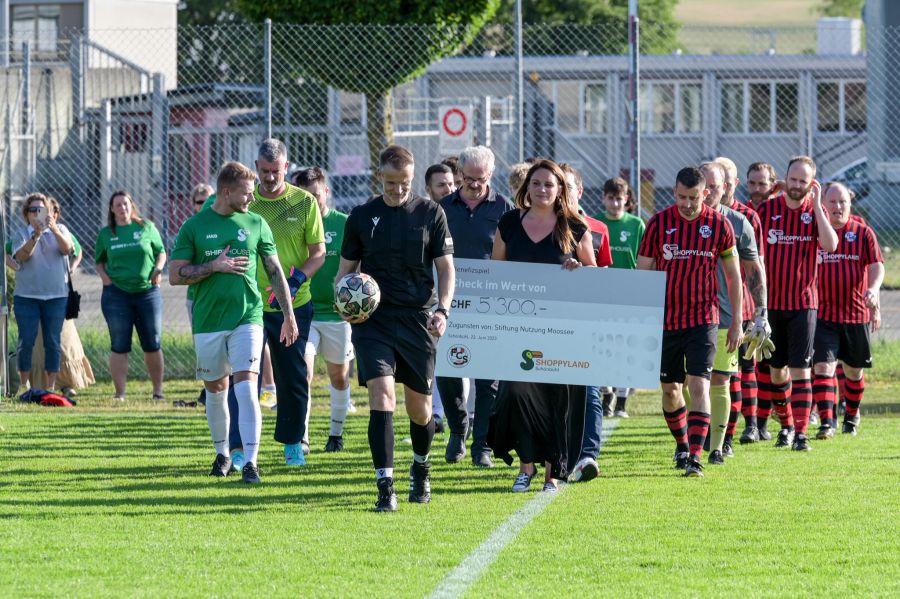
(840, 8)
(370, 47)
(593, 26)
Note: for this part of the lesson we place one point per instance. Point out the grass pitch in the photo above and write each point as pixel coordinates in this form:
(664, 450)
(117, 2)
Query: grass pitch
(112, 500)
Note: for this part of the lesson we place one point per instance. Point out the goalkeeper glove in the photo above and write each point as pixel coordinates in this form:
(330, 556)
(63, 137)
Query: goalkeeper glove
(757, 337)
(295, 280)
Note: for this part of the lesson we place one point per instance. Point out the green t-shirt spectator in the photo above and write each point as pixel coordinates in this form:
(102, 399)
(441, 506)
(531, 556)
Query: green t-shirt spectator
(296, 224)
(624, 238)
(322, 285)
(129, 254)
(225, 301)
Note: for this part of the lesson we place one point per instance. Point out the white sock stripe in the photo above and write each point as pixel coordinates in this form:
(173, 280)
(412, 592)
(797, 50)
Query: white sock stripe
(459, 580)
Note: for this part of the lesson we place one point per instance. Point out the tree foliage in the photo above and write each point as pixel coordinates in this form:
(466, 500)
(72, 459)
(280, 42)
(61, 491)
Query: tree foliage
(840, 8)
(370, 47)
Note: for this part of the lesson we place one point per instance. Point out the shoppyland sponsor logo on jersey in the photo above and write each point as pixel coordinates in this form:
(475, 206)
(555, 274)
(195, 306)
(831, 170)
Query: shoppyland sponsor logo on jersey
(671, 251)
(778, 236)
(823, 257)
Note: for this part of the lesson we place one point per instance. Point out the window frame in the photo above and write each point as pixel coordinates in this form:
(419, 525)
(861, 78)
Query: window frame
(842, 106)
(745, 107)
(647, 95)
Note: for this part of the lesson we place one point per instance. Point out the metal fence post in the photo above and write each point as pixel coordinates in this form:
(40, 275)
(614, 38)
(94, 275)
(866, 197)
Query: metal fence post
(267, 58)
(520, 88)
(159, 156)
(634, 76)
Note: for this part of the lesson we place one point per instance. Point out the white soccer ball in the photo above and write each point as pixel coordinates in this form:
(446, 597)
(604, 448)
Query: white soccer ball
(356, 294)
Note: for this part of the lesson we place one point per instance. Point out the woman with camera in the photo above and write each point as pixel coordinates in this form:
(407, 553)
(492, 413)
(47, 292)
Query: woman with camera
(41, 248)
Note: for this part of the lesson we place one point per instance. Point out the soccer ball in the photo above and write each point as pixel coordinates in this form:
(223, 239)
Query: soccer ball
(356, 294)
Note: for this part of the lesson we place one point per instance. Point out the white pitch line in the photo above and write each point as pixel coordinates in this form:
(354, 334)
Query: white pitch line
(471, 568)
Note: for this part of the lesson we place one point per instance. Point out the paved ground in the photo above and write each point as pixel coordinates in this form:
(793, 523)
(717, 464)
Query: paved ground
(175, 314)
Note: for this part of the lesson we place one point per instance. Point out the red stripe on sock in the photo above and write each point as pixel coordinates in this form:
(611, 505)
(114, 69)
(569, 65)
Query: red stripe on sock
(801, 404)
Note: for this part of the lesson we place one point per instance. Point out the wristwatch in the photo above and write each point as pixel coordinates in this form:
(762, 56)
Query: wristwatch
(443, 311)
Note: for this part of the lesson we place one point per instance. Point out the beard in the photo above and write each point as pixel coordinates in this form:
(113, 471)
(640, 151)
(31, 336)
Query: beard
(798, 194)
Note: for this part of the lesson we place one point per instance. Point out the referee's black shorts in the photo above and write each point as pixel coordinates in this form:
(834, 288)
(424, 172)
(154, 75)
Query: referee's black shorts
(847, 342)
(396, 342)
(690, 351)
(792, 334)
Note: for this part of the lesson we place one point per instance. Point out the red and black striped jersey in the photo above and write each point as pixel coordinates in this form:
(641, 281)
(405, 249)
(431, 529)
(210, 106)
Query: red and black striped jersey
(791, 240)
(858, 218)
(688, 252)
(843, 274)
(749, 306)
(600, 238)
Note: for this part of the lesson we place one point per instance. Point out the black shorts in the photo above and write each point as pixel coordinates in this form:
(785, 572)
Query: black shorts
(396, 342)
(690, 350)
(848, 343)
(745, 363)
(792, 334)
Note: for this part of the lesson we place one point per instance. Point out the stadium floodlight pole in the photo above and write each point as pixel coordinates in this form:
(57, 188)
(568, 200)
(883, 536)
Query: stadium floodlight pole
(520, 88)
(268, 75)
(634, 77)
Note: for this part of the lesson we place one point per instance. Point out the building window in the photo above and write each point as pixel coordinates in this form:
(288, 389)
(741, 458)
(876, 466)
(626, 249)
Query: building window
(595, 108)
(567, 101)
(671, 107)
(580, 107)
(759, 107)
(37, 24)
(352, 108)
(840, 106)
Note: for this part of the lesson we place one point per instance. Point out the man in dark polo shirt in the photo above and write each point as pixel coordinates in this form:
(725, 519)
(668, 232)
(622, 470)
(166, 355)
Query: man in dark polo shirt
(397, 238)
(473, 212)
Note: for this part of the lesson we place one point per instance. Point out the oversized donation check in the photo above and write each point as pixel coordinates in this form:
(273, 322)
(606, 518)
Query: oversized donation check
(518, 321)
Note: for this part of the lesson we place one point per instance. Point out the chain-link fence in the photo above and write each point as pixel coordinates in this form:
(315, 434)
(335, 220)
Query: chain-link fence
(156, 112)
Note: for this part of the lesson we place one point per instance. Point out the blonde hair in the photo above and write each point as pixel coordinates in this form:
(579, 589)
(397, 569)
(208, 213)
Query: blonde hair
(231, 174)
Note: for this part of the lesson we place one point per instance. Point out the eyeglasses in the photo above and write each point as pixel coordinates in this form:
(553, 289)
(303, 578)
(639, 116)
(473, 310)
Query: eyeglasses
(35, 209)
(199, 202)
(472, 180)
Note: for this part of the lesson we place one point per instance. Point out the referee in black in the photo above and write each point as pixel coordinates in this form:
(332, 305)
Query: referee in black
(473, 212)
(398, 238)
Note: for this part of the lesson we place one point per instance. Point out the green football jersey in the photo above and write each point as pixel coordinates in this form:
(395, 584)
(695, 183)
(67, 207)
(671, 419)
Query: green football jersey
(322, 285)
(296, 224)
(225, 301)
(129, 254)
(624, 238)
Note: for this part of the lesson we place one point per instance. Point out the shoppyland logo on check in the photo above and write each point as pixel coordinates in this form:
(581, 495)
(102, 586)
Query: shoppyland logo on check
(533, 359)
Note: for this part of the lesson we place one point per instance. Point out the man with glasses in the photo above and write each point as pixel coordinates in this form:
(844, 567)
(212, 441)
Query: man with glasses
(473, 212)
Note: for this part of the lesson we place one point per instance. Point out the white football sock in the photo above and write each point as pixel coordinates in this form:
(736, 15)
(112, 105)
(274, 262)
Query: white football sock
(218, 420)
(308, 412)
(249, 418)
(339, 401)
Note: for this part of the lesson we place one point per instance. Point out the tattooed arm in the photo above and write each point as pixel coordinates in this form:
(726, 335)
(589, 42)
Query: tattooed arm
(182, 272)
(755, 277)
(279, 284)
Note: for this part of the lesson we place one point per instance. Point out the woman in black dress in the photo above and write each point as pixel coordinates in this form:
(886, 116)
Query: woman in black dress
(538, 420)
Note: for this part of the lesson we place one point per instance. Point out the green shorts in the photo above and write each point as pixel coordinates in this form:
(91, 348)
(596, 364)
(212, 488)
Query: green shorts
(725, 362)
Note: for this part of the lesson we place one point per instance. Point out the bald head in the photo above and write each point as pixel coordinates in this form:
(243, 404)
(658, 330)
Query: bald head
(714, 175)
(836, 202)
(731, 178)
